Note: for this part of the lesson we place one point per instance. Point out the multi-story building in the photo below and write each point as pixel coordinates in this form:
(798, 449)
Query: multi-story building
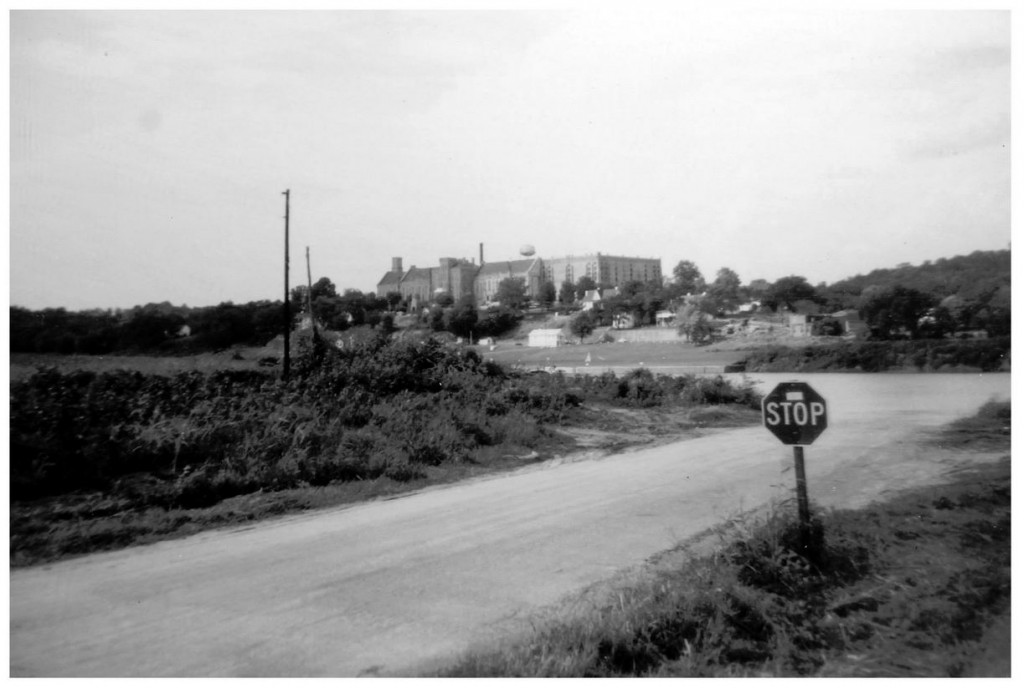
(452, 275)
(460, 277)
(605, 270)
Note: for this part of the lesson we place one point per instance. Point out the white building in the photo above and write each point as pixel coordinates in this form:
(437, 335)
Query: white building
(546, 337)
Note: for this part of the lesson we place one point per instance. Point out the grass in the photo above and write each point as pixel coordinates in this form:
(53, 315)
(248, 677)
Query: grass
(651, 354)
(918, 586)
(77, 523)
(23, 365)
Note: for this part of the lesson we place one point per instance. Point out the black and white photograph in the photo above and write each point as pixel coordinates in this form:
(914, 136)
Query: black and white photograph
(510, 340)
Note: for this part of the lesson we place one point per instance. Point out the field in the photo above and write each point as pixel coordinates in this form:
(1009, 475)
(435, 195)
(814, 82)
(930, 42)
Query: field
(111, 451)
(23, 365)
(659, 357)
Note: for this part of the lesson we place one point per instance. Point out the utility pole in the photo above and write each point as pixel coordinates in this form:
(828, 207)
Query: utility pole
(309, 294)
(287, 308)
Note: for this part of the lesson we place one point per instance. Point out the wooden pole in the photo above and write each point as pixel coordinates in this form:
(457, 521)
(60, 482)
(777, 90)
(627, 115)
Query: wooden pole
(287, 307)
(803, 505)
(309, 294)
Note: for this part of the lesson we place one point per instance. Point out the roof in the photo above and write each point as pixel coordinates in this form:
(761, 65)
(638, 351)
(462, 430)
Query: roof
(392, 276)
(546, 331)
(592, 295)
(417, 273)
(506, 267)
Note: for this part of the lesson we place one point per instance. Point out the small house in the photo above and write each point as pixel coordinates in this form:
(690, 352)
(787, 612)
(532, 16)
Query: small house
(852, 324)
(546, 337)
(591, 298)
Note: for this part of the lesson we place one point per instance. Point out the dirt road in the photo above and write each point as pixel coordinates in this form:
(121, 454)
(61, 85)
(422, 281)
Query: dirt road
(386, 587)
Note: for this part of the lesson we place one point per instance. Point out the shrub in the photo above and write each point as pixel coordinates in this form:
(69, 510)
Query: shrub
(378, 408)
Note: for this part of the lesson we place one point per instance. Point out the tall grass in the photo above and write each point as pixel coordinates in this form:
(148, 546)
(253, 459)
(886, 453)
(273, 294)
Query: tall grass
(379, 408)
(757, 602)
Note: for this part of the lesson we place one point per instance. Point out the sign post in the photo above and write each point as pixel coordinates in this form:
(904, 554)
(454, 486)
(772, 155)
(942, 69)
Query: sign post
(796, 415)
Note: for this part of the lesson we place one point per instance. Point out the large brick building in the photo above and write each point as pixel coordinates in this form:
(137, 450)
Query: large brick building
(460, 277)
(605, 270)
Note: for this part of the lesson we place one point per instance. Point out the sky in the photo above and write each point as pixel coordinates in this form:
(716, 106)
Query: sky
(149, 150)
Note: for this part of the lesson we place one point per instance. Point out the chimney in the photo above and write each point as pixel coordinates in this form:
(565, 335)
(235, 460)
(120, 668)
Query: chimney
(396, 264)
(481, 253)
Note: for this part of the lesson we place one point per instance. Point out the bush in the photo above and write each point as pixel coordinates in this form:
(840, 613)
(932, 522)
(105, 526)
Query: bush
(378, 408)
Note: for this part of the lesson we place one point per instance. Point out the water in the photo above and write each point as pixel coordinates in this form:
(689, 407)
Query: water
(929, 398)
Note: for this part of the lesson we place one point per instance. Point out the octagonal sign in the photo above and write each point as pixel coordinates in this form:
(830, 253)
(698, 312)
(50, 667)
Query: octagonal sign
(795, 413)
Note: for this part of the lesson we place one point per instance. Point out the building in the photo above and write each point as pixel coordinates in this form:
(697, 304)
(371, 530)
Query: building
(419, 285)
(460, 277)
(490, 276)
(602, 269)
(546, 337)
(852, 324)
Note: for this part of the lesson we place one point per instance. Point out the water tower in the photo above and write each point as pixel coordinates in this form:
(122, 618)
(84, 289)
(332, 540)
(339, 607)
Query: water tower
(527, 250)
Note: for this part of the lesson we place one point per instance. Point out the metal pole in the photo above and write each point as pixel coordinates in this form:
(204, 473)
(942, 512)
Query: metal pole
(803, 505)
(287, 308)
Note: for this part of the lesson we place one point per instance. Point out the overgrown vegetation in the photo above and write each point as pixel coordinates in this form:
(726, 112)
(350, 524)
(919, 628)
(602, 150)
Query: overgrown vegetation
(903, 588)
(920, 355)
(122, 443)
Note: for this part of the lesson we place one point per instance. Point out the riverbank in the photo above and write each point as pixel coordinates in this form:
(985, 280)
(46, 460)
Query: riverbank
(927, 356)
(792, 356)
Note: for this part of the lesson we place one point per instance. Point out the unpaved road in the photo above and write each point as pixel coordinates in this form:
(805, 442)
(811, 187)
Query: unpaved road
(392, 586)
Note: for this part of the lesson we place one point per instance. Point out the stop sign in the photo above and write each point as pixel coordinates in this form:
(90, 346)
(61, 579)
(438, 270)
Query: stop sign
(795, 413)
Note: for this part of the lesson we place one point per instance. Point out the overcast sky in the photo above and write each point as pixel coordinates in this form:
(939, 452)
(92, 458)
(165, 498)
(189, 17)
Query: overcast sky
(149, 150)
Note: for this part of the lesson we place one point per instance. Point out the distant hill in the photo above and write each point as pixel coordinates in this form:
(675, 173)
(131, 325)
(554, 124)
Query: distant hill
(975, 277)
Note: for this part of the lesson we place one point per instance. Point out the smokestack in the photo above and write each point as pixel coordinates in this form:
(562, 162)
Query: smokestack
(481, 253)
(396, 264)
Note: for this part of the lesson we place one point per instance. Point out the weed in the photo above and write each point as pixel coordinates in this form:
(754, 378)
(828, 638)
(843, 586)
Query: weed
(859, 603)
(377, 411)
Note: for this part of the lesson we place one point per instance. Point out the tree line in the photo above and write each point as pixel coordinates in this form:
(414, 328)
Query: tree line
(934, 300)
(167, 328)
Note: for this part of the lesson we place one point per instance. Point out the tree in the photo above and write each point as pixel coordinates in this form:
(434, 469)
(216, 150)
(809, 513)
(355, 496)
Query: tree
(547, 294)
(687, 278)
(567, 293)
(444, 299)
(584, 285)
(937, 323)
(394, 299)
(321, 288)
(435, 318)
(496, 321)
(694, 321)
(331, 313)
(511, 293)
(897, 311)
(788, 291)
(756, 289)
(724, 293)
(582, 324)
(324, 288)
(462, 317)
